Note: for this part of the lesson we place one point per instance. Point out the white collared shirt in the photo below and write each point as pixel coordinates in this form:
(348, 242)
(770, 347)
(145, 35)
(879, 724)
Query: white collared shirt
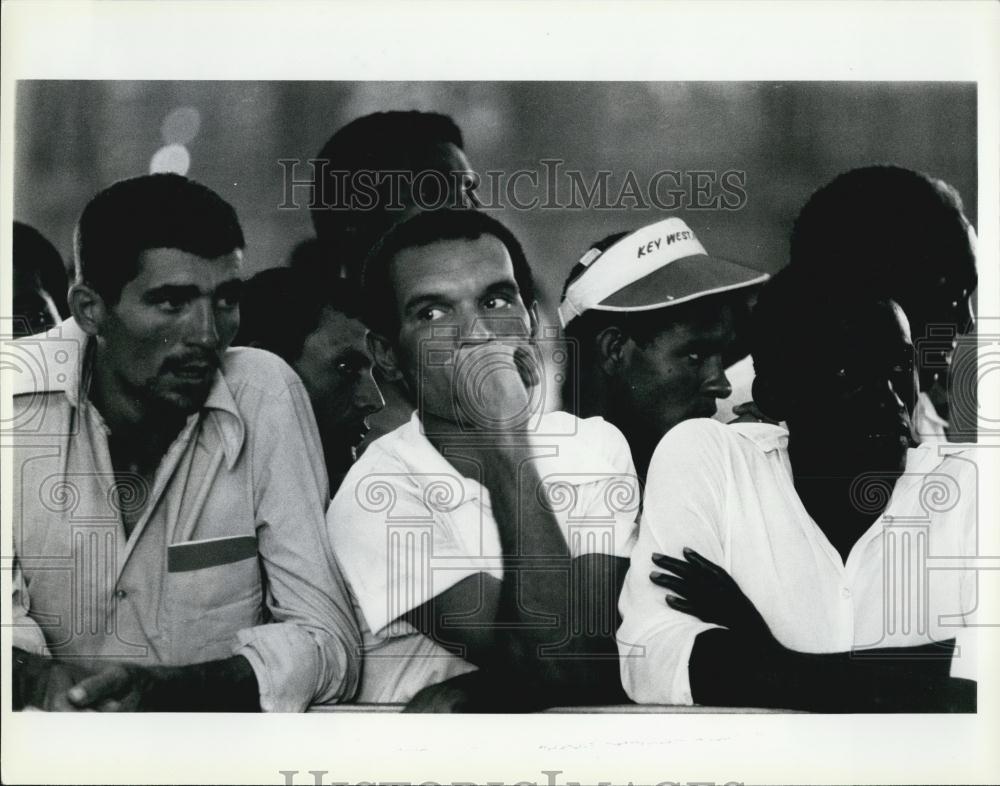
(727, 493)
(406, 526)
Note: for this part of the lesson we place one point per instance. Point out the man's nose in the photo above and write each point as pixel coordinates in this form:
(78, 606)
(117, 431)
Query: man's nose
(716, 382)
(204, 328)
(367, 396)
(478, 328)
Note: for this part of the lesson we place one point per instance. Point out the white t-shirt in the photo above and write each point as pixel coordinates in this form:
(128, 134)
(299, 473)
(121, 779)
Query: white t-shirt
(405, 527)
(727, 493)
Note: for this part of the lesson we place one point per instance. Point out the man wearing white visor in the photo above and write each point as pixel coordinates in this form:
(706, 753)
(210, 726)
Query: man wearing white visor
(651, 315)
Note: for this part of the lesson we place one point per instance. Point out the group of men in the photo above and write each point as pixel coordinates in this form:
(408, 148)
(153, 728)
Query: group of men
(337, 481)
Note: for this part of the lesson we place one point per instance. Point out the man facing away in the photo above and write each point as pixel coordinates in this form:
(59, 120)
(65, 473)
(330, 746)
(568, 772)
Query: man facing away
(481, 534)
(168, 534)
(651, 316)
(901, 234)
(799, 563)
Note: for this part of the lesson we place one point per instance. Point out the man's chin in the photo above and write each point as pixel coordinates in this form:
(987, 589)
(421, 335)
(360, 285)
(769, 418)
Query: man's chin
(181, 401)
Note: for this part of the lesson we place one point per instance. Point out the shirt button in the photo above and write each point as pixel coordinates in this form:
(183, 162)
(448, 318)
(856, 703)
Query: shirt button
(120, 594)
(845, 593)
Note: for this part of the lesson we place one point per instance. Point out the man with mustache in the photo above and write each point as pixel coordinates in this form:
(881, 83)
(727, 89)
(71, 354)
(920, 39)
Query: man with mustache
(803, 566)
(168, 534)
(315, 328)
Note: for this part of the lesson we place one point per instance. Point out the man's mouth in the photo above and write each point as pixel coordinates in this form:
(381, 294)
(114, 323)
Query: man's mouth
(358, 431)
(193, 370)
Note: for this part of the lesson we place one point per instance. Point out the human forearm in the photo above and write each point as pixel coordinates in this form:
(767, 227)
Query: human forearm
(727, 669)
(536, 559)
(565, 607)
(227, 685)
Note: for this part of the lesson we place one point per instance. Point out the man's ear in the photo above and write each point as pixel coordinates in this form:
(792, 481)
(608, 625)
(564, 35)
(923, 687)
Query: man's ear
(533, 318)
(384, 356)
(611, 349)
(772, 400)
(87, 307)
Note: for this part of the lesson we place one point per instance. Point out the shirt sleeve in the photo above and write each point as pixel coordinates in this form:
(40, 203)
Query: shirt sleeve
(607, 521)
(310, 652)
(966, 473)
(684, 507)
(398, 535)
(27, 635)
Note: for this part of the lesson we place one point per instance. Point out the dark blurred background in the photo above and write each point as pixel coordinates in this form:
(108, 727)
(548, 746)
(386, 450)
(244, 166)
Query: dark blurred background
(75, 137)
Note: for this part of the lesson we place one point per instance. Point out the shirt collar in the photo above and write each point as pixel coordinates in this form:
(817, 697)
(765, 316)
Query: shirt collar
(765, 436)
(417, 452)
(58, 361)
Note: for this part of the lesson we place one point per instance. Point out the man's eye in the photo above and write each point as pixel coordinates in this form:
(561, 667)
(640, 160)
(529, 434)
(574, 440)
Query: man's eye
(695, 357)
(430, 314)
(497, 301)
(228, 301)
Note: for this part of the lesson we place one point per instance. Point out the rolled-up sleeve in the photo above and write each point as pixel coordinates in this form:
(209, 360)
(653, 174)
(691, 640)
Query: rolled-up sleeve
(683, 507)
(310, 651)
(26, 634)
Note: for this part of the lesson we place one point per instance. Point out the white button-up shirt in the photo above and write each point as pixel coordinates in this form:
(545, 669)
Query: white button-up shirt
(727, 493)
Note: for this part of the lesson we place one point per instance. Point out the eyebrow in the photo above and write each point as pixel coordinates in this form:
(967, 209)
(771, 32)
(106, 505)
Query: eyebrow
(189, 291)
(176, 291)
(434, 297)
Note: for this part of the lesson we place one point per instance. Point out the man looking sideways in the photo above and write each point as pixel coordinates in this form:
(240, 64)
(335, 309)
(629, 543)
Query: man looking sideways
(169, 550)
(651, 314)
(314, 327)
(786, 553)
(481, 534)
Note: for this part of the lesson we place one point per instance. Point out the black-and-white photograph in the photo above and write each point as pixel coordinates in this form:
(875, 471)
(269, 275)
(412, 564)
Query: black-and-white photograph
(349, 398)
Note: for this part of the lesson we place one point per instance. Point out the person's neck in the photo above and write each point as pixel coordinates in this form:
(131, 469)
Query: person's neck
(596, 400)
(337, 465)
(843, 506)
(591, 399)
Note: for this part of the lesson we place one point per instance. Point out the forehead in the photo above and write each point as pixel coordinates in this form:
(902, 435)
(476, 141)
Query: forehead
(173, 267)
(714, 323)
(444, 157)
(452, 269)
(869, 330)
(338, 331)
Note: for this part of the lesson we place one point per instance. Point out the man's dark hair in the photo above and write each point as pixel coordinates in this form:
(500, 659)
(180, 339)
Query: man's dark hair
(32, 251)
(384, 141)
(153, 211)
(422, 230)
(281, 306)
(892, 231)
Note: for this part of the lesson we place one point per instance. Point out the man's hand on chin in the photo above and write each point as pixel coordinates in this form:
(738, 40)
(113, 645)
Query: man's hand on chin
(496, 386)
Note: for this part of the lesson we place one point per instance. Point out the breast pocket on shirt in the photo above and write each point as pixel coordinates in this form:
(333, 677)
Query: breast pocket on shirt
(214, 589)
